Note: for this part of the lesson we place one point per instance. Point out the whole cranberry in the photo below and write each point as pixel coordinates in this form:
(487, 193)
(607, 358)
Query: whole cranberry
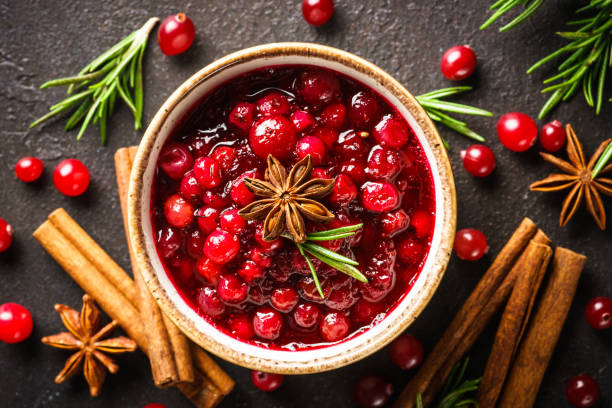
(29, 169)
(15, 323)
(194, 243)
(266, 381)
(239, 193)
(284, 299)
(458, 63)
(313, 146)
(207, 171)
(230, 221)
(342, 298)
(241, 117)
(470, 244)
(599, 312)
(391, 132)
(273, 135)
(319, 172)
(175, 160)
(517, 131)
(6, 235)
(317, 12)
(251, 272)
(351, 147)
(421, 221)
(406, 352)
(334, 115)
(410, 251)
(381, 280)
(344, 190)
(221, 246)
(209, 302)
(207, 219)
(155, 405)
(478, 160)
(354, 169)
(394, 222)
(190, 189)
(176, 34)
(302, 120)
(334, 326)
(178, 211)
(181, 266)
(383, 163)
(209, 270)
(232, 289)
(71, 177)
(318, 87)
(379, 196)
(225, 156)
(365, 312)
(364, 110)
(215, 200)
(308, 289)
(241, 326)
(260, 258)
(582, 391)
(267, 323)
(266, 246)
(328, 135)
(372, 391)
(274, 103)
(307, 315)
(169, 240)
(552, 136)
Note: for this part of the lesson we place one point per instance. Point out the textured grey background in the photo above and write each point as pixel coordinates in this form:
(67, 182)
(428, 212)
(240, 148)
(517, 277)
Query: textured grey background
(50, 38)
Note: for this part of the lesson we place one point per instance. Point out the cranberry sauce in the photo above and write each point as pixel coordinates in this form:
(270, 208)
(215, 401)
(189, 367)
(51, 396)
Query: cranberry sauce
(263, 292)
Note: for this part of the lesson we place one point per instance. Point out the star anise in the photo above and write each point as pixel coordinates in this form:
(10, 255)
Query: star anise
(579, 178)
(287, 199)
(84, 335)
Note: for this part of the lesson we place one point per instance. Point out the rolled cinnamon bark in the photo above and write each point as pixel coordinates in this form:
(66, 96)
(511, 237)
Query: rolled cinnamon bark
(543, 331)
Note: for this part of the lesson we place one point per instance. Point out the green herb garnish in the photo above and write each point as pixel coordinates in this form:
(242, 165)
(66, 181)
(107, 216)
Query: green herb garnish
(501, 7)
(456, 392)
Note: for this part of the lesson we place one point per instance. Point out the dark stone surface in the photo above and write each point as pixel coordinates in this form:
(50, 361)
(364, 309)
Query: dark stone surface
(48, 38)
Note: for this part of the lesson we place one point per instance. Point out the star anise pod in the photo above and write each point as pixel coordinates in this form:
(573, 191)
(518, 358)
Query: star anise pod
(85, 336)
(287, 199)
(579, 179)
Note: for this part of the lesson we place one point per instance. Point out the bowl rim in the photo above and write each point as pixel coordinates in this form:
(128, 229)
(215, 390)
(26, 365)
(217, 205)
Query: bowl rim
(445, 199)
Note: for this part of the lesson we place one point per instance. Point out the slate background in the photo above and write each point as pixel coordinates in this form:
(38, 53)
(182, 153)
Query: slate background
(50, 38)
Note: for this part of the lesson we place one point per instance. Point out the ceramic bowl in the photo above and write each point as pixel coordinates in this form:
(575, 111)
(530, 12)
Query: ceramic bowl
(194, 326)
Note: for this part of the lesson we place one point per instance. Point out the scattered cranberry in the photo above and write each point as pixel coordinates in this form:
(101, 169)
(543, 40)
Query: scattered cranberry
(302, 120)
(209, 302)
(230, 221)
(241, 117)
(392, 223)
(599, 312)
(221, 246)
(383, 163)
(242, 326)
(175, 34)
(317, 12)
(209, 270)
(364, 110)
(267, 381)
(458, 63)
(273, 135)
(334, 115)
(190, 189)
(406, 352)
(344, 190)
(372, 391)
(379, 196)
(478, 160)
(178, 212)
(307, 315)
(267, 323)
(207, 219)
(470, 244)
(517, 131)
(334, 326)
(318, 87)
(313, 146)
(284, 299)
(232, 289)
(175, 160)
(391, 132)
(552, 136)
(29, 169)
(169, 240)
(15, 323)
(421, 220)
(582, 391)
(71, 177)
(410, 251)
(6, 235)
(274, 103)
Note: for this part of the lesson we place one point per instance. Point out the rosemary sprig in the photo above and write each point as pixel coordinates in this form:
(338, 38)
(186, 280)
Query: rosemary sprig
(456, 392)
(115, 73)
(603, 160)
(331, 258)
(501, 7)
(436, 107)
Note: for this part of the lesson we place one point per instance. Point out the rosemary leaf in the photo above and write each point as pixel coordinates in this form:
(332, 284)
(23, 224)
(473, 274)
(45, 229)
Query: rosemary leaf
(319, 250)
(331, 237)
(348, 269)
(456, 391)
(312, 271)
(335, 231)
(603, 160)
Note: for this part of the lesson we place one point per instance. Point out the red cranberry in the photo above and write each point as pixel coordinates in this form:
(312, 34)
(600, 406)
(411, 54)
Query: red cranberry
(175, 160)
(365, 312)
(215, 200)
(334, 115)
(169, 240)
(317, 12)
(355, 170)
(230, 221)
(552, 136)
(307, 315)
(308, 289)
(6, 235)
(470, 244)
(364, 110)
(319, 172)
(599, 313)
(178, 212)
(372, 391)
(383, 163)
(200, 146)
(71, 177)
(256, 296)
(241, 326)
(381, 280)
(266, 246)
(582, 391)
(391, 132)
(313, 146)
(225, 156)
(241, 117)
(284, 299)
(328, 135)
(478, 160)
(302, 120)
(232, 289)
(15, 323)
(517, 131)
(273, 135)
(190, 188)
(341, 298)
(176, 34)
(208, 219)
(29, 169)
(334, 326)
(344, 190)
(207, 171)
(182, 267)
(410, 251)
(406, 352)
(194, 244)
(210, 303)
(392, 223)
(421, 221)
(318, 87)
(351, 146)
(273, 103)
(251, 272)
(267, 323)
(209, 270)
(379, 196)
(458, 63)
(239, 193)
(221, 246)
(155, 405)
(260, 258)
(267, 381)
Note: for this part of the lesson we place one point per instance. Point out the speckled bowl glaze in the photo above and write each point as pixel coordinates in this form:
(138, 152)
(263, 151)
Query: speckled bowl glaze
(199, 330)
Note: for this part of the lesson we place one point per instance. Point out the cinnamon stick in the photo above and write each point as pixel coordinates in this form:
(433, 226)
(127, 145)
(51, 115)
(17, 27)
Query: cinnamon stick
(167, 363)
(468, 313)
(543, 331)
(533, 267)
